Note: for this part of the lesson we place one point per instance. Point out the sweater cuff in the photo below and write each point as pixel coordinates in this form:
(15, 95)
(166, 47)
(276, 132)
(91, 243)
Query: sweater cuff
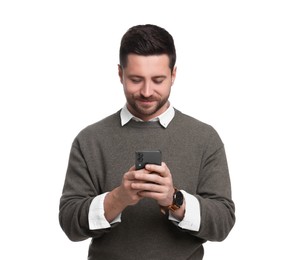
(96, 214)
(191, 220)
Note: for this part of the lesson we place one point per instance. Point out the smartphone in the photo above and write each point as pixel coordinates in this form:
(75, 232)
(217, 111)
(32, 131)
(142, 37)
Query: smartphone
(147, 157)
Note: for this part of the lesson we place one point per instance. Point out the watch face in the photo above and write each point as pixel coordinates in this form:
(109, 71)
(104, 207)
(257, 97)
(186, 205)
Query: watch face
(179, 198)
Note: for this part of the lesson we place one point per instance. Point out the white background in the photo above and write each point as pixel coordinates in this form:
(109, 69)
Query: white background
(236, 71)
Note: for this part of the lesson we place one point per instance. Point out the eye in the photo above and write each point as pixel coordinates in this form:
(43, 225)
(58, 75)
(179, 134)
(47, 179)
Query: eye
(158, 81)
(136, 80)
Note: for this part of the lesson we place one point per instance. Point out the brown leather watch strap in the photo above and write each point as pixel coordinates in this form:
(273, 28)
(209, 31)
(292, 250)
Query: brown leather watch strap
(173, 207)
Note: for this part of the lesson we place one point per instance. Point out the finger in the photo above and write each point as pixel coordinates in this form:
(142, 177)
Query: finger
(149, 178)
(132, 171)
(133, 168)
(162, 169)
(148, 187)
(143, 171)
(130, 175)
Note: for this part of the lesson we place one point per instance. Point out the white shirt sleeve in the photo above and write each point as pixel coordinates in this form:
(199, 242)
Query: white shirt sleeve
(96, 214)
(191, 220)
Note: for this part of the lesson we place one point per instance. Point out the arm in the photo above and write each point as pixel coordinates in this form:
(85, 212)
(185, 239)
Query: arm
(80, 196)
(191, 217)
(78, 193)
(214, 193)
(121, 197)
(209, 214)
(160, 187)
(96, 215)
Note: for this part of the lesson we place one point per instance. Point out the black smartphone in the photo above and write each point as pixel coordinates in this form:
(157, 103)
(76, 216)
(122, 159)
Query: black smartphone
(147, 157)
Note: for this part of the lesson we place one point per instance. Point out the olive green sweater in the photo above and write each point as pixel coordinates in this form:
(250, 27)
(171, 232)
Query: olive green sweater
(104, 151)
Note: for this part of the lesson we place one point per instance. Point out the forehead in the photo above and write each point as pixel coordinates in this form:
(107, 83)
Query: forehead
(138, 64)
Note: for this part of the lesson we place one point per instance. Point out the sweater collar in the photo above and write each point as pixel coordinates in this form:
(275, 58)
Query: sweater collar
(164, 119)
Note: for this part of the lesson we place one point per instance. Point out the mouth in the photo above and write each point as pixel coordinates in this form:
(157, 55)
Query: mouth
(146, 102)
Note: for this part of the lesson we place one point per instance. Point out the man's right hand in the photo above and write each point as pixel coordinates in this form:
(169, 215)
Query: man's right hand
(122, 196)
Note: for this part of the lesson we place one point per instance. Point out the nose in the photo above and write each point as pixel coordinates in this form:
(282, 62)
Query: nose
(147, 89)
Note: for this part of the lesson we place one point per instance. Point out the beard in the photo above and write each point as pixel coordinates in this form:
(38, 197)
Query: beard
(140, 109)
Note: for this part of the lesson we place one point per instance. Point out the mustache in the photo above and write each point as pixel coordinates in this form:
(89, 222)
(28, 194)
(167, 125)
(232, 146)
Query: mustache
(142, 98)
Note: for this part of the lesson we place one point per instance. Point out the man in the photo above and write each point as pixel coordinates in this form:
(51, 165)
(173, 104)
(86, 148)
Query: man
(163, 211)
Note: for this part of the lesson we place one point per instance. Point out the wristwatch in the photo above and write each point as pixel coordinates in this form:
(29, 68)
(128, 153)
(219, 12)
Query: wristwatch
(178, 200)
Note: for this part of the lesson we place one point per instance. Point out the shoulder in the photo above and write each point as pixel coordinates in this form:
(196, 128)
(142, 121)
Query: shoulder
(195, 128)
(102, 127)
(189, 122)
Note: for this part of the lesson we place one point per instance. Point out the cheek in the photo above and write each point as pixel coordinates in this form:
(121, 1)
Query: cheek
(130, 88)
(129, 91)
(164, 90)
(126, 91)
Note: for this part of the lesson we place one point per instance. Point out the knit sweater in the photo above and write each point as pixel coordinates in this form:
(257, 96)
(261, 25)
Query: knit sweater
(104, 151)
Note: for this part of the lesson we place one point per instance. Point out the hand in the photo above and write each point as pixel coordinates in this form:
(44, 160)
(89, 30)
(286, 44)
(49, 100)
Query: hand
(122, 196)
(125, 193)
(155, 182)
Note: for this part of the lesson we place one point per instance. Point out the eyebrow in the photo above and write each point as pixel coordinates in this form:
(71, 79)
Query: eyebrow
(160, 77)
(154, 77)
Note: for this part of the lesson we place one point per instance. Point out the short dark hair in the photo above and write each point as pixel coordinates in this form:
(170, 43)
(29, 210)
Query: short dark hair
(147, 40)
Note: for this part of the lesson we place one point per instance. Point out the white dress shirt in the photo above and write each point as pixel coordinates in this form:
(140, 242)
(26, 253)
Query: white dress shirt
(191, 220)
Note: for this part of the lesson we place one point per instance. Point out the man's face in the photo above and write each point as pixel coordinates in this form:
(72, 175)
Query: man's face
(147, 82)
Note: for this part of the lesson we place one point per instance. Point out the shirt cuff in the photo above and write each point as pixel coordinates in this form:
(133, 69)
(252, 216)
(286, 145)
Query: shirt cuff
(191, 220)
(96, 214)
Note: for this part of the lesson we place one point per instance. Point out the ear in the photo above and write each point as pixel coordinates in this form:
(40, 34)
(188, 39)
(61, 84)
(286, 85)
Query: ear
(120, 73)
(174, 73)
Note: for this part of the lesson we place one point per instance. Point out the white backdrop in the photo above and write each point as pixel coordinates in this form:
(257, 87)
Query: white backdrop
(236, 71)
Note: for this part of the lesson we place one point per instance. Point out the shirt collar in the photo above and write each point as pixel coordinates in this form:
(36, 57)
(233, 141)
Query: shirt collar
(164, 119)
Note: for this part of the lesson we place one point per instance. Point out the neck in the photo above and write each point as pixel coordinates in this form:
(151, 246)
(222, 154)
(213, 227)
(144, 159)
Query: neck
(149, 117)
